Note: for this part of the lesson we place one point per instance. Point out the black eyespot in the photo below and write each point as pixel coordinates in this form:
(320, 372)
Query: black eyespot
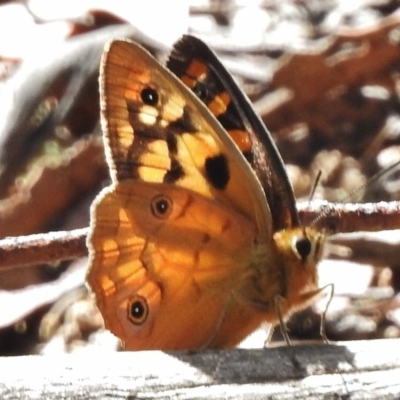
(217, 171)
(161, 206)
(138, 310)
(149, 96)
(303, 247)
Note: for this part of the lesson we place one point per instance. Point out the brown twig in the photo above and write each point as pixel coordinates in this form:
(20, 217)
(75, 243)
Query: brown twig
(65, 245)
(42, 248)
(351, 217)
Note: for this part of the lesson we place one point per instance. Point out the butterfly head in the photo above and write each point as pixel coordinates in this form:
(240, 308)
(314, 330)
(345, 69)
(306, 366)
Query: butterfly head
(301, 249)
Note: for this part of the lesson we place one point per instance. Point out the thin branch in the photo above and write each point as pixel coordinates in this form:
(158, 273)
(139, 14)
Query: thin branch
(351, 217)
(42, 248)
(65, 245)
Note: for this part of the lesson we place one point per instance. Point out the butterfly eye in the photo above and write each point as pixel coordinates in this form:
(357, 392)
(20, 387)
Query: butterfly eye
(149, 96)
(303, 247)
(161, 206)
(138, 310)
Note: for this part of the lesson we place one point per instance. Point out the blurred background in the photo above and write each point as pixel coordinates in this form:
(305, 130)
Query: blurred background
(324, 76)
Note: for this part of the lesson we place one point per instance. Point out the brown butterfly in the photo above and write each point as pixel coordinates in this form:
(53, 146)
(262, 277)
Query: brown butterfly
(197, 242)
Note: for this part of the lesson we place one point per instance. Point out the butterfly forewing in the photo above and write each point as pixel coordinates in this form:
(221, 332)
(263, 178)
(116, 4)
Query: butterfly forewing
(154, 127)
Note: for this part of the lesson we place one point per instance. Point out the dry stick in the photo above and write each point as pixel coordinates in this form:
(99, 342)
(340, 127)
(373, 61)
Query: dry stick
(57, 246)
(42, 248)
(351, 217)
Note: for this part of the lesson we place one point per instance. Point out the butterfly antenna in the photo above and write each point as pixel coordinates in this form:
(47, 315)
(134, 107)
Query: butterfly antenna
(370, 181)
(353, 193)
(317, 180)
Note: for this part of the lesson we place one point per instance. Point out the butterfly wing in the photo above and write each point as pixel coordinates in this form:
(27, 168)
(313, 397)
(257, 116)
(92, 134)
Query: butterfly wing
(199, 68)
(163, 274)
(182, 246)
(156, 130)
(186, 271)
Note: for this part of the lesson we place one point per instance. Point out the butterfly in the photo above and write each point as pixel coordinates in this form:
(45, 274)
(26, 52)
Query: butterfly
(197, 241)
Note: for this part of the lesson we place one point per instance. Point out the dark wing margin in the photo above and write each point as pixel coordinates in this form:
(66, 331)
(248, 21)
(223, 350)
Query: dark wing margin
(198, 67)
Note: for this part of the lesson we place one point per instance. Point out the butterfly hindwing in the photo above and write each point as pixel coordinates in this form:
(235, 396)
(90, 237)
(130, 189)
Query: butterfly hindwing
(162, 256)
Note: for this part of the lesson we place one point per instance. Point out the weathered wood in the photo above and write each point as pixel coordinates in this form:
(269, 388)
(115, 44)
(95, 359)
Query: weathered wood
(355, 370)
